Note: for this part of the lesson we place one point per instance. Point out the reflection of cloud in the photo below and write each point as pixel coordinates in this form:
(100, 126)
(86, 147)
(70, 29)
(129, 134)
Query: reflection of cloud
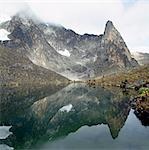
(89, 16)
(5, 147)
(4, 132)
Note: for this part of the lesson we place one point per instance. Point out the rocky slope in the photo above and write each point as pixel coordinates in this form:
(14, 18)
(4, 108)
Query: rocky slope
(134, 77)
(93, 55)
(16, 69)
(66, 52)
(142, 58)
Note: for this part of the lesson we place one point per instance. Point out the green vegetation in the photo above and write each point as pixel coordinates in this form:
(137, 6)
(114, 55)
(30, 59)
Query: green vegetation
(140, 103)
(144, 91)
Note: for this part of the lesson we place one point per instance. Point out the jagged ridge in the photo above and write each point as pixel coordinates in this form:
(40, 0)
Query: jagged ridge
(68, 53)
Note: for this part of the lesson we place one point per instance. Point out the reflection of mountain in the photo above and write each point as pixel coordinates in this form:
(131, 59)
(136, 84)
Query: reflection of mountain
(14, 101)
(45, 118)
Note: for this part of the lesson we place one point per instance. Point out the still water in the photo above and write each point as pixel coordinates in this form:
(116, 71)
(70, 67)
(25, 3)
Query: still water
(76, 117)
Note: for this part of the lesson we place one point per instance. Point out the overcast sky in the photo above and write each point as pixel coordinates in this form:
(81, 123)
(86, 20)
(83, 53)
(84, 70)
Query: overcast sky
(130, 17)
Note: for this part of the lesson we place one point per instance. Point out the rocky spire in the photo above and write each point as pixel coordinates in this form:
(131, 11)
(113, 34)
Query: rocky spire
(111, 33)
(108, 27)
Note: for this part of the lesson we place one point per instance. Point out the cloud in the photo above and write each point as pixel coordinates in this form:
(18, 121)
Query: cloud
(81, 16)
(90, 16)
(9, 8)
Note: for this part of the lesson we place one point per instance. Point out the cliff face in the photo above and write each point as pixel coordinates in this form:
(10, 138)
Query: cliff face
(68, 53)
(113, 54)
(98, 54)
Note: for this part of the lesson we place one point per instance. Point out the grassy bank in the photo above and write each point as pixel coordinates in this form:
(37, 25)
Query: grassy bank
(133, 77)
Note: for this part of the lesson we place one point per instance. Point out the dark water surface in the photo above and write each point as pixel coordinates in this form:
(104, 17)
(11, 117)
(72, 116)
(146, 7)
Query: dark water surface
(76, 117)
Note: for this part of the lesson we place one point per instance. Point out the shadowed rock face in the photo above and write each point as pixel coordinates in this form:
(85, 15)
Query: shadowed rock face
(44, 119)
(68, 53)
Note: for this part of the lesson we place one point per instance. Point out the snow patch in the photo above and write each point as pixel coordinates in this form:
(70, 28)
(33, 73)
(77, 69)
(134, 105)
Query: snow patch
(47, 24)
(95, 58)
(66, 108)
(4, 132)
(4, 35)
(79, 63)
(64, 53)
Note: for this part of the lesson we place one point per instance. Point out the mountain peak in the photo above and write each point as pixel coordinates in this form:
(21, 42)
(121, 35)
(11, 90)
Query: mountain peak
(110, 29)
(109, 23)
(112, 34)
(89, 55)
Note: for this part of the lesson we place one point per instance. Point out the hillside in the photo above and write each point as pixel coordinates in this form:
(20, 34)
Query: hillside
(134, 77)
(16, 69)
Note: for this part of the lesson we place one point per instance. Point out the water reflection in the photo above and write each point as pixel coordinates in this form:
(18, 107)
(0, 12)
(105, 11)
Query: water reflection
(43, 115)
(14, 101)
(4, 132)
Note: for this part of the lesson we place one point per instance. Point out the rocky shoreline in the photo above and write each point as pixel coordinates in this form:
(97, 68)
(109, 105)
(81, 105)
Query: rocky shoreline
(140, 104)
(135, 81)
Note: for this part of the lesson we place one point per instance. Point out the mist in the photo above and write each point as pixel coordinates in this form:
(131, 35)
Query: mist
(130, 18)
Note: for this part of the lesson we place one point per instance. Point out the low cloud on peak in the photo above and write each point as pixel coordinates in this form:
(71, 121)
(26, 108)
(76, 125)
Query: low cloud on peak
(90, 16)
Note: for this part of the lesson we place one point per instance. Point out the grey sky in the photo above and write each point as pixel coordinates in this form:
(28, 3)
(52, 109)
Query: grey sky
(130, 17)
